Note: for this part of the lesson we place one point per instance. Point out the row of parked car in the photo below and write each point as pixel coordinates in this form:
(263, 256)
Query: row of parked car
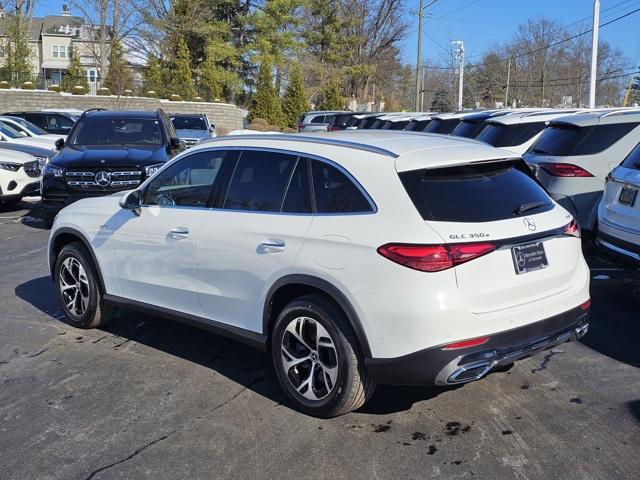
(28, 140)
(588, 160)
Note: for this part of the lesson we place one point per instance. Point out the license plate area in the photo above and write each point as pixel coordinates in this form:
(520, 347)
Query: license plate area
(529, 257)
(628, 196)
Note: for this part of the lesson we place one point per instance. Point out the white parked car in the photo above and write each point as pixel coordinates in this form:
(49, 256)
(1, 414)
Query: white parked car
(29, 129)
(619, 211)
(353, 257)
(10, 135)
(20, 175)
(517, 131)
(574, 154)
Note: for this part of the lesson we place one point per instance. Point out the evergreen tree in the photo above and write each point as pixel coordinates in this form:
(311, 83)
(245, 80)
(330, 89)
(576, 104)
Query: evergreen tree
(152, 76)
(119, 76)
(332, 95)
(441, 102)
(17, 66)
(181, 78)
(75, 75)
(265, 102)
(218, 72)
(294, 102)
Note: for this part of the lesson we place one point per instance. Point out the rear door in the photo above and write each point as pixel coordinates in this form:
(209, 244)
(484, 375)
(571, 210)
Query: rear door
(498, 203)
(252, 236)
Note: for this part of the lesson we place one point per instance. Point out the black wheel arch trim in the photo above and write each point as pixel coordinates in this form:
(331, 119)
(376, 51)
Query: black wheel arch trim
(87, 244)
(327, 288)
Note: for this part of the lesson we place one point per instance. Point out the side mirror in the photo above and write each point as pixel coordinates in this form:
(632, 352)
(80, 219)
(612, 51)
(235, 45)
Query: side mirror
(131, 200)
(59, 144)
(212, 128)
(174, 142)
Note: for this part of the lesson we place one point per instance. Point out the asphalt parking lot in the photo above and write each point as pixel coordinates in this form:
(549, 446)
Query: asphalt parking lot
(147, 398)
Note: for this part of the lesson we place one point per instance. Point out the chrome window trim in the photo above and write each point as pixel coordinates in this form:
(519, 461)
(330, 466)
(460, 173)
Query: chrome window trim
(372, 204)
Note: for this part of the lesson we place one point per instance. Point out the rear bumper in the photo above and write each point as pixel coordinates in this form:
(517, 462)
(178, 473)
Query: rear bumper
(449, 367)
(618, 247)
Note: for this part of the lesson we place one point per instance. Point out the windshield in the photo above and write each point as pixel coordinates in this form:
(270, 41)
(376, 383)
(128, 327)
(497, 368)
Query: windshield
(195, 122)
(36, 130)
(9, 132)
(117, 131)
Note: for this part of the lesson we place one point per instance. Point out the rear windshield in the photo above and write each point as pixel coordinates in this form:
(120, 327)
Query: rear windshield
(500, 135)
(442, 126)
(191, 122)
(633, 159)
(398, 125)
(568, 140)
(340, 120)
(466, 128)
(483, 192)
(417, 125)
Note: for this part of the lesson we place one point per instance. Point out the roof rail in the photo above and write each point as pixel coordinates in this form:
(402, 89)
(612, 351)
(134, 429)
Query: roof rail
(622, 111)
(308, 139)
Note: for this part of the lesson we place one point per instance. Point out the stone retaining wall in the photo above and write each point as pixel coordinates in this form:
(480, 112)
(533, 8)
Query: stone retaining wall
(222, 115)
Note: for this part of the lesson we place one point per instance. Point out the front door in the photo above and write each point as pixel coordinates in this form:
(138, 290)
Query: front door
(154, 249)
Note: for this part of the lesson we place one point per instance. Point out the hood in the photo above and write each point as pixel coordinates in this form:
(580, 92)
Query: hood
(14, 156)
(35, 142)
(190, 133)
(99, 156)
(30, 149)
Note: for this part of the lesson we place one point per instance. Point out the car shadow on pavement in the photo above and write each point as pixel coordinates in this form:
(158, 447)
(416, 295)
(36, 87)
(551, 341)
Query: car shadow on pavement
(613, 327)
(27, 213)
(634, 408)
(239, 363)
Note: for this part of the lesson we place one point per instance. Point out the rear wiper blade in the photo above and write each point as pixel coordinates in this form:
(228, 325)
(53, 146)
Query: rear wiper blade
(537, 150)
(525, 207)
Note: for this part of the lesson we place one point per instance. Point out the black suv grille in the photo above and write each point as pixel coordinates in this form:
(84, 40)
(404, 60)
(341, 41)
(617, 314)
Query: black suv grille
(109, 178)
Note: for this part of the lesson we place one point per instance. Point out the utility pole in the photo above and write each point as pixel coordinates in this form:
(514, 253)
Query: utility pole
(594, 54)
(460, 57)
(420, 14)
(506, 91)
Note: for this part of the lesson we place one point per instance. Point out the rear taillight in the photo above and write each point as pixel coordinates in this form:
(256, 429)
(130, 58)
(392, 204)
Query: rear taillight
(434, 258)
(564, 170)
(333, 129)
(474, 342)
(572, 229)
(586, 305)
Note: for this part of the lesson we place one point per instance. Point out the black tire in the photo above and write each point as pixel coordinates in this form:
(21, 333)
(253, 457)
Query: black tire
(10, 202)
(352, 387)
(95, 312)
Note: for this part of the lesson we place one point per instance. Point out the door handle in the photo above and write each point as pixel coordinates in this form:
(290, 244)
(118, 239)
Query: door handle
(179, 232)
(273, 245)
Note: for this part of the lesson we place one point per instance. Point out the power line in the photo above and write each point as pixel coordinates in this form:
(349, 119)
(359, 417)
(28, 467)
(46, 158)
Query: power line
(606, 77)
(456, 10)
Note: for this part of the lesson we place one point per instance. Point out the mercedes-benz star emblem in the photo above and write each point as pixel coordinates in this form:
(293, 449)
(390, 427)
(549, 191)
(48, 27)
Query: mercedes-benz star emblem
(530, 224)
(521, 259)
(103, 179)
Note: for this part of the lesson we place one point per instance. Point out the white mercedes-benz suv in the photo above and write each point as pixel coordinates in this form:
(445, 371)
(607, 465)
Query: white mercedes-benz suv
(353, 257)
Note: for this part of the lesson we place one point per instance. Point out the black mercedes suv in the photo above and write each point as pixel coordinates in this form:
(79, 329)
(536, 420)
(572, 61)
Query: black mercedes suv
(105, 152)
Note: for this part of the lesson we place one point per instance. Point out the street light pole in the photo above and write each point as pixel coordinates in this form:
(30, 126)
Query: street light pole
(420, 14)
(460, 56)
(594, 54)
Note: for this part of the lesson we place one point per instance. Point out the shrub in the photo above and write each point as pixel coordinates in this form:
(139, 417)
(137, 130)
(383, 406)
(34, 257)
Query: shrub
(103, 92)
(27, 86)
(128, 93)
(5, 85)
(151, 94)
(258, 127)
(198, 99)
(78, 90)
(54, 88)
(174, 97)
(260, 121)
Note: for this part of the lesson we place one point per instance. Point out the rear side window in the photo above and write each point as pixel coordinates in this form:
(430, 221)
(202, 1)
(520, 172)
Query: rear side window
(259, 181)
(466, 128)
(633, 159)
(442, 126)
(569, 140)
(318, 119)
(335, 192)
(500, 135)
(298, 196)
(37, 119)
(398, 125)
(476, 193)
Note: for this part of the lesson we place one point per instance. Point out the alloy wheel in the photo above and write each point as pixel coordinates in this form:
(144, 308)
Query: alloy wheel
(309, 358)
(74, 286)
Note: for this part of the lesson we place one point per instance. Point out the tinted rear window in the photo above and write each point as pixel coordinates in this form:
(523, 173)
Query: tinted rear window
(442, 126)
(417, 125)
(340, 120)
(318, 119)
(633, 159)
(500, 135)
(466, 128)
(398, 125)
(335, 192)
(569, 140)
(475, 193)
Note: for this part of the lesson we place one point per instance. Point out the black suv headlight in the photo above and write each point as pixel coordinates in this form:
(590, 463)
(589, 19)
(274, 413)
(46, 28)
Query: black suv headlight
(12, 167)
(151, 169)
(52, 171)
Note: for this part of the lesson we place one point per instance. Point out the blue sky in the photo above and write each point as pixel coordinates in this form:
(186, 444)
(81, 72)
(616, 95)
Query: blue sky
(482, 23)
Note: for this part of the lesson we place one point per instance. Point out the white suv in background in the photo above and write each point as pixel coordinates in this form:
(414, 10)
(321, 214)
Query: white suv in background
(574, 154)
(20, 175)
(517, 131)
(619, 211)
(353, 257)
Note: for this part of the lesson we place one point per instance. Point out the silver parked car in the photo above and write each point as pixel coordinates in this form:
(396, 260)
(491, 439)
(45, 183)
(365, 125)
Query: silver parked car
(317, 121)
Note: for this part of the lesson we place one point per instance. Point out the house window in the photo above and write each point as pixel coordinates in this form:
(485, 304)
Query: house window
(55, 51)
(69, 52)
(62, 51)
